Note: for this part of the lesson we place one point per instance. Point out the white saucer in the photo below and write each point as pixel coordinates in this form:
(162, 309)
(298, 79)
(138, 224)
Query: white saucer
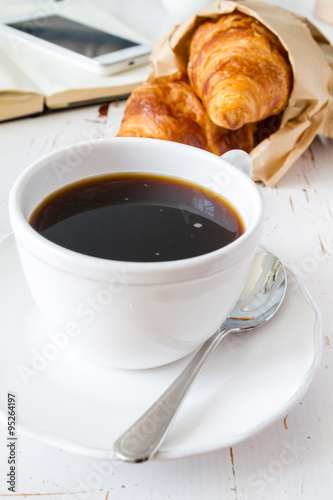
(76, 405)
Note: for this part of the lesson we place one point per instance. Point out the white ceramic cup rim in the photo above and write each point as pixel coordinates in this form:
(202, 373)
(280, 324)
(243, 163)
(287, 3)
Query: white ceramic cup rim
(140, 272)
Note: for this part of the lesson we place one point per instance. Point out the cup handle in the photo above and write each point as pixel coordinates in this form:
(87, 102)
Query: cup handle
(239, 159)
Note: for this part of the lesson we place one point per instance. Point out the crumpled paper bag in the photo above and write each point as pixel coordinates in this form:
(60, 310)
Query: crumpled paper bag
(310, 107)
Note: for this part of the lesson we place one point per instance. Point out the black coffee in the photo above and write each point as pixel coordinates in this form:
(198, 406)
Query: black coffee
(138, 218)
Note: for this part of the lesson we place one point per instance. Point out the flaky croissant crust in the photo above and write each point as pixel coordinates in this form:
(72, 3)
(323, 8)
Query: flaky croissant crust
(167, 108)
(239, 70)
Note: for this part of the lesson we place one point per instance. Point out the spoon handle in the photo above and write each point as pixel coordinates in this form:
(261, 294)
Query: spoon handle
(140, 441)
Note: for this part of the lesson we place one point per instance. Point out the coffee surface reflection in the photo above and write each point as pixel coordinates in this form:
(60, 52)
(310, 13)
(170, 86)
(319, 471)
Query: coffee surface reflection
(138, 218)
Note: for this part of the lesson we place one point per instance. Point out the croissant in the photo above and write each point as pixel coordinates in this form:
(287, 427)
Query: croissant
(167, 108)
(239, 70)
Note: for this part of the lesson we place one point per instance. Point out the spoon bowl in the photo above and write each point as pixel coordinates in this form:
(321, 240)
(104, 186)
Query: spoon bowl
(262, 294)
(261, 297)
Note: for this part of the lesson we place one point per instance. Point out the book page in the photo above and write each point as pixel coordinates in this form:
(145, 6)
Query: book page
(13, 76)
(19, 96)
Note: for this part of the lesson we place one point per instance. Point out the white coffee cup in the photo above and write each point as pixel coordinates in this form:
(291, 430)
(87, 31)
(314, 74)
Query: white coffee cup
(133, 314)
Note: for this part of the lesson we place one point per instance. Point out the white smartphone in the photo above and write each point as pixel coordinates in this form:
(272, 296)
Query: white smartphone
(77, 43)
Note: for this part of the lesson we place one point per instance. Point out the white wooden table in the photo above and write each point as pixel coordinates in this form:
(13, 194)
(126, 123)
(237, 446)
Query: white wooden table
(299, 228)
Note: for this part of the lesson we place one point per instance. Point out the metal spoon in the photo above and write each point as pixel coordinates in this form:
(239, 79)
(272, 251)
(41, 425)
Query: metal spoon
(260, 299)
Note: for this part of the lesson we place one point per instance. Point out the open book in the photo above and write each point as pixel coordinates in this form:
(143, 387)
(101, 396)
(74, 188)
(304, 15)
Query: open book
(31, 80)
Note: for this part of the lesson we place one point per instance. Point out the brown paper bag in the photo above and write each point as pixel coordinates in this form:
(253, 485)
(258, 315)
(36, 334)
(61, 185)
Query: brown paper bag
(310, 107)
